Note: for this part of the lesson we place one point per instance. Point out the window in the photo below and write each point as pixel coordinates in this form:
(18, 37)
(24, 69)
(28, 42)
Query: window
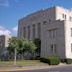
(53, 48)
(24, 34)
(29, 32)
(71, 47)
(71, 32)
(53, 33)
(64, 16)
(33, 31)
(44, 22)
(39, 30)
(49, 20)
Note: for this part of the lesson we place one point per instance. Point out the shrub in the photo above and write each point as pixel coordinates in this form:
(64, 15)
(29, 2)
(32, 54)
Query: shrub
(68, 61)
(51, 60)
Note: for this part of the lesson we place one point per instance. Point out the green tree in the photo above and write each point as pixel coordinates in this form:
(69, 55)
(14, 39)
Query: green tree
(12, 45)
(12, 48)
(27, 46)
(20, 46)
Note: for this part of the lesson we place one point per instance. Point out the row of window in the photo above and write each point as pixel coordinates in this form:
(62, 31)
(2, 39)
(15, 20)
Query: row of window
(64, 16)
(28, 31)
(53, 33)
(54, 48)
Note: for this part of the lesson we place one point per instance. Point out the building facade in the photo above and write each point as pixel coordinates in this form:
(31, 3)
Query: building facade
(53, 26)
(4, 42)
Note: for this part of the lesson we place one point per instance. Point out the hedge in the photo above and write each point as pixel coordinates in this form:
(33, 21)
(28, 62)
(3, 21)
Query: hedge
(53, 60)
(68, 61)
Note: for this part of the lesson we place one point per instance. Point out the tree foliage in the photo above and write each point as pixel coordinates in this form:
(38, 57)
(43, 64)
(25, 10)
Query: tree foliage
(21, 46)
(12, 45)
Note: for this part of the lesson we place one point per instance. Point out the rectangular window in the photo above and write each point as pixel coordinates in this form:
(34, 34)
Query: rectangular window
(64, 16)
(44, 22)
(33, 31)
(28, 32)
(39, 30)
(53, 33)
(53, 48)
(71, 32)
(24, 34)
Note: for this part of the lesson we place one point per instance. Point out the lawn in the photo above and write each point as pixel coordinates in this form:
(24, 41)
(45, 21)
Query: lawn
(20, 63)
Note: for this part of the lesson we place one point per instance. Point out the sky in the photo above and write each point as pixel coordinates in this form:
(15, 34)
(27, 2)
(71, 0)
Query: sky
(13, 10)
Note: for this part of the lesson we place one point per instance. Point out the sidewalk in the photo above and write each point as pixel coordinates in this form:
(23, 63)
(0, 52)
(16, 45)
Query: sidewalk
(17, 68)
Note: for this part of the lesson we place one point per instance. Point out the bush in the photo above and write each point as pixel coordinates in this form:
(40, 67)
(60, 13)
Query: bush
(51, 60)
(68, 61)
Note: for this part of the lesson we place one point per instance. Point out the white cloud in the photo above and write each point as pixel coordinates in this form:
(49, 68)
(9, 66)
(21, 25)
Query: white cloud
(4, 3)
(4, 31)
(15, 29)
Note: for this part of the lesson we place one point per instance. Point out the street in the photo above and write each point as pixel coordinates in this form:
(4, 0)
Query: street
(57, 69)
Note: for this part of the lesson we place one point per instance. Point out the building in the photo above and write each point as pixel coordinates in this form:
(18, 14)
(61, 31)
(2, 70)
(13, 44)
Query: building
(53, 26)
(4, 42)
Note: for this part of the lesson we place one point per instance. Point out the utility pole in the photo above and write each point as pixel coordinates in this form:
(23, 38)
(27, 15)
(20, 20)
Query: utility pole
(15, 56)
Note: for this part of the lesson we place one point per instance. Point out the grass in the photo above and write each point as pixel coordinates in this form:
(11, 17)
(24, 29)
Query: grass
(20, 62)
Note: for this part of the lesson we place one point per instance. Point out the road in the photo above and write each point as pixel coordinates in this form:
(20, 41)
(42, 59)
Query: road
(57, 69)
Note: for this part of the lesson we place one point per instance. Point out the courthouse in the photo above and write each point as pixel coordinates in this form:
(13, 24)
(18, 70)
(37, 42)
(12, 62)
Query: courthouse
(53, 26)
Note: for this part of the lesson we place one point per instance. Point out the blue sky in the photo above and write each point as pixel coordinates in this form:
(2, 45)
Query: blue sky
(12, 10)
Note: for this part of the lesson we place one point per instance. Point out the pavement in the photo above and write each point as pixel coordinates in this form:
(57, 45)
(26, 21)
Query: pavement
(34, 67)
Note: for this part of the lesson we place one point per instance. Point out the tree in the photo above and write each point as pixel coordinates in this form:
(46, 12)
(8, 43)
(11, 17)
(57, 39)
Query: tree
(27, 46)
(37, 42)
(12, 48)
(20, 46)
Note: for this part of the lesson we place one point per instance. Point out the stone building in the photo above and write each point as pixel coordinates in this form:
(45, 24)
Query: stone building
(4, 42)
(53, 26)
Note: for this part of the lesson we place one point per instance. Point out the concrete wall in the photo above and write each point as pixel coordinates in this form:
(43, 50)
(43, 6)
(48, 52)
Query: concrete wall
(4, 42)
(68, 39)
(54, 18)
(35, 18)
(60, 11)
(59, 40)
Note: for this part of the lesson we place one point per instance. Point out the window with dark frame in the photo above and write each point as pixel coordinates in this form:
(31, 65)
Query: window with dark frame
(24, 34)
(33, 31)
(39, 30)
(28, 32)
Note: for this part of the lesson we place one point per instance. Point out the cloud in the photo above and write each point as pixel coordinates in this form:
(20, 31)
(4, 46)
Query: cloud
(4, 31)
(15, 29)
(4, 2)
